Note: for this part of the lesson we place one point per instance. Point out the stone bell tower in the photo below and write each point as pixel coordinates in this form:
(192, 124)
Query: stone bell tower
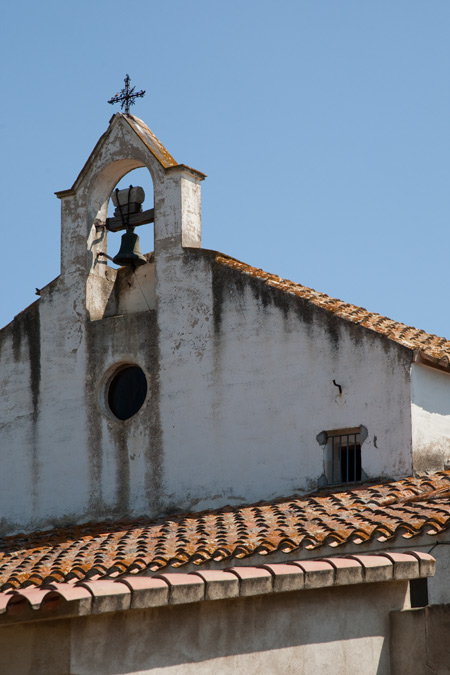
(83, 366)
(127, 144)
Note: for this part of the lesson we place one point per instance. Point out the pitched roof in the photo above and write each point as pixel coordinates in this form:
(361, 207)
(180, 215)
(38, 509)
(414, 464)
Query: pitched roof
(149, 139)
(432, 345)
(361, 514)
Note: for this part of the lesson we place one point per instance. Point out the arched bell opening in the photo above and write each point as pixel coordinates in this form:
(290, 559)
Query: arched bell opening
(128, 205)
(114, 288)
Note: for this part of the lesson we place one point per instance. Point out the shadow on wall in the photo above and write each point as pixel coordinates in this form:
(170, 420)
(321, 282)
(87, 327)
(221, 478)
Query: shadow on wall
(328, 631)
(420, 641)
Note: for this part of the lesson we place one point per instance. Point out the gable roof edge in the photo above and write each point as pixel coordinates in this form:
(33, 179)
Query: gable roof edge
(435, 349)
(145, 135)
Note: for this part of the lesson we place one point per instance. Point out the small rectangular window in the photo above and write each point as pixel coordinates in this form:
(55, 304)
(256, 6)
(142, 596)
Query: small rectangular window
(344, 456)
(418, 589)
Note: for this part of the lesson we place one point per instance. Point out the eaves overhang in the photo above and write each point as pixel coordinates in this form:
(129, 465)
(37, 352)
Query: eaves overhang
(98, 596)
(423, 359)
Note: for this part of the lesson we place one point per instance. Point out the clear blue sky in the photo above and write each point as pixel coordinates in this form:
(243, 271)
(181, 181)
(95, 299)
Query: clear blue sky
(323, 126)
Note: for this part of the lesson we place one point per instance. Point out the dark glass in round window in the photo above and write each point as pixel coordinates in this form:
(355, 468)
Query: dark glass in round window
(127, 392)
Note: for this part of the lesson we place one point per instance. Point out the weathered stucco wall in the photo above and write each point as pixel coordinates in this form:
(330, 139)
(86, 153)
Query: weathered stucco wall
(420, 641)
(328, 631)
(438, 585)
(240, 375)
(240, 384)
(42, 428)
(430, 418)
(247, 384)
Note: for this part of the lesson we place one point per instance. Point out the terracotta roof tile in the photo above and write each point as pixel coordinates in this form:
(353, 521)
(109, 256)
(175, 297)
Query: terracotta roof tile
(140, 592)
(357, 514)
(432, 345)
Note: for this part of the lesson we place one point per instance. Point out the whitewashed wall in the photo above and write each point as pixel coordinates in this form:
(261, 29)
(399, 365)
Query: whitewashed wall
(430, 417)
(240, 375)
(247, 384)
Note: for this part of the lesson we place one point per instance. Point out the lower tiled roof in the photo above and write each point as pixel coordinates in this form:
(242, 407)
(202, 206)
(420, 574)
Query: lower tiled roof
(94, 596)
(407, 507)
(413, 338)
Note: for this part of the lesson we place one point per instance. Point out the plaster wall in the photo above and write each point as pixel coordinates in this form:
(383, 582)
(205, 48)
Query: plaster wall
(329, 631)
(240, 383)
(246, 383)
(43, 438)
(240, 374)
(55, 468)
(420, 641)
(438, 586)
(430, 418)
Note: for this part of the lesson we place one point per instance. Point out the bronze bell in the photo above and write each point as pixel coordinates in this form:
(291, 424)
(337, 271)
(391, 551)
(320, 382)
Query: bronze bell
(130, 251)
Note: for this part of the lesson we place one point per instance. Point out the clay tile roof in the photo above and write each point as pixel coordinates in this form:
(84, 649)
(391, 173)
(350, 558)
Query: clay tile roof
(407, 336)
(359, 514)
(148, 137)
(65, 600)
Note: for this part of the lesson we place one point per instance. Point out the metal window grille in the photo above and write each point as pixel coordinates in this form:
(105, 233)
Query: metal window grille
(345, 451)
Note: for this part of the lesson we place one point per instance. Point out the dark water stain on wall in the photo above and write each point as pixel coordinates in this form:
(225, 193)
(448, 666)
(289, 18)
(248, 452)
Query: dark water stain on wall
(228, 282)
(94, 424)
(122, 460)
(29, 326)
(32, 329)
(23, 337)
(107, 341)
(219, 286)
(154, 452)
(17, 329)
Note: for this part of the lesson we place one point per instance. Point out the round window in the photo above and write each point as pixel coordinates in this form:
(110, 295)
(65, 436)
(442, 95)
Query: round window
(127, 391)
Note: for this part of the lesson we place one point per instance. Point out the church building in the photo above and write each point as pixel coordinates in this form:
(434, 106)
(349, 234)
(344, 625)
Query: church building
(210, 469)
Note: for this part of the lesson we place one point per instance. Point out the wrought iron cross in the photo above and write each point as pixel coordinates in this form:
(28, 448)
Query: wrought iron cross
(127, 96)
